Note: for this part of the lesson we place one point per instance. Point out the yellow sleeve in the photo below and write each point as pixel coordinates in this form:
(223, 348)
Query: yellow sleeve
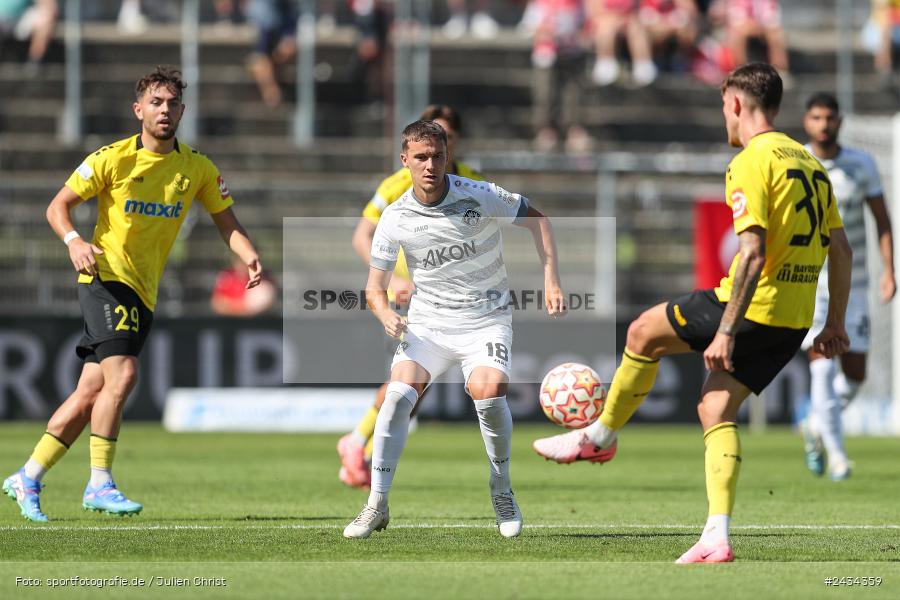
(747, 192)
(93, 175)
(389, 191)
(213, 194)
(464, 170)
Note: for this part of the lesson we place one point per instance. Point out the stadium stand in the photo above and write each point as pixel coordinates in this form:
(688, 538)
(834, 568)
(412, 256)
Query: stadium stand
(270, 178)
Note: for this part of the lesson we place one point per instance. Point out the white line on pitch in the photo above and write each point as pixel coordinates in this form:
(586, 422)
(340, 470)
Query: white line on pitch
(585, 526)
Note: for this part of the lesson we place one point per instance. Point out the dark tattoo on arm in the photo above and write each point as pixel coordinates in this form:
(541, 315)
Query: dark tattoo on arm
(746, 277)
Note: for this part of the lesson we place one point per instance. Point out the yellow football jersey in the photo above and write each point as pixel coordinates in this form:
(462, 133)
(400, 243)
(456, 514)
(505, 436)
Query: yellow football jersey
(394, 186)
(776, 184)
(142, 199)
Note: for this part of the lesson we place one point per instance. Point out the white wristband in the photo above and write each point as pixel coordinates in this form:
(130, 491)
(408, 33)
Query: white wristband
(70, 236)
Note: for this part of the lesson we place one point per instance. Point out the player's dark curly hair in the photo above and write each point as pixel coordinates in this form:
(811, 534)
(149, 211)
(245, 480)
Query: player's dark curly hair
(419, 131)
(759, 81)
(444, 112)
(167, 77)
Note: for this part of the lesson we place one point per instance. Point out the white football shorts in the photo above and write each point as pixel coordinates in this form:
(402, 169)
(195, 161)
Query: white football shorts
(856, 322)
(438, 350)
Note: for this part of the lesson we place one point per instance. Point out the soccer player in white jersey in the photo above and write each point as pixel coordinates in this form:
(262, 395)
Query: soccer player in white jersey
(449, 230)
(856, 185)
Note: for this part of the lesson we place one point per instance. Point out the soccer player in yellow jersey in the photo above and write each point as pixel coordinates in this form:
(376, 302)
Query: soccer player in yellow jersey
(145, 185)
(750, 326)
(356, 447)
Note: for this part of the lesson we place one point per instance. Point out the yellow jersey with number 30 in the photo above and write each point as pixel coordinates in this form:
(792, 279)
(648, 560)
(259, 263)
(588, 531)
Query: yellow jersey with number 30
(776, 184)
(142, 199)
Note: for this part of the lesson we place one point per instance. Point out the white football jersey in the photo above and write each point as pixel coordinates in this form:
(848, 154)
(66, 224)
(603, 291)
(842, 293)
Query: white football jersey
(454, 252)
(855, 178)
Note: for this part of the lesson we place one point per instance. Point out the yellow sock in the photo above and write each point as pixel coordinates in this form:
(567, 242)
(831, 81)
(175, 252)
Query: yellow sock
(103, 451)
(369, 446)
(723, 465)
(630, 385)
(366, 425)
(49, 450)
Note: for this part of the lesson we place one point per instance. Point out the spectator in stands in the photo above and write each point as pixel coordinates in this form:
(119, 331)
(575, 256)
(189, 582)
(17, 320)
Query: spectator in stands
(230, 296)
(881, 35)
(229, 12)
(33, 20)
(558, 59)
(671, 22)
(483, 24)
(612, 19)
(372, 20)
(745, 20)
(276, 23)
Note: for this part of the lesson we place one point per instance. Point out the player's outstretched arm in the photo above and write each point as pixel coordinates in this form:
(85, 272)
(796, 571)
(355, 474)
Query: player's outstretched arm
(377, 299)
(81, 253)
(545, 244)
(885, 245)
(833, 339)
(362, 238)
(752, 253)
(239, 242)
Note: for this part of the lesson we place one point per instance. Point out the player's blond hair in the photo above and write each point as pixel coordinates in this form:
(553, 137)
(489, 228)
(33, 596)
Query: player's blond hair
(759, 82)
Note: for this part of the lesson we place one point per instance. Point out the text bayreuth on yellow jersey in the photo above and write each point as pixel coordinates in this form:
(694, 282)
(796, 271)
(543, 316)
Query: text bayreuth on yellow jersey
(142, 199)
(776, 184)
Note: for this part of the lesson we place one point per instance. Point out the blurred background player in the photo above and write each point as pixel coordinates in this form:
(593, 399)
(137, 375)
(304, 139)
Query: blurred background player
(119, 272)
(856, 185)
(355, 448)
(750, 326)
(449, 229)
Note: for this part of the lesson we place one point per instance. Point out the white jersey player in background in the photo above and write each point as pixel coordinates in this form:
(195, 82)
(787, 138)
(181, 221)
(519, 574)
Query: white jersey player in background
(449, 230)
(856, 185)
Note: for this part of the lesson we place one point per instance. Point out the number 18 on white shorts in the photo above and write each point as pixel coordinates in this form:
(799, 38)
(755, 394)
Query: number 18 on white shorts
(438, 350)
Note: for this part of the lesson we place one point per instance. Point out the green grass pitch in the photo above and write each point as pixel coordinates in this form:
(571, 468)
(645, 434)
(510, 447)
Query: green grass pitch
(265, 513)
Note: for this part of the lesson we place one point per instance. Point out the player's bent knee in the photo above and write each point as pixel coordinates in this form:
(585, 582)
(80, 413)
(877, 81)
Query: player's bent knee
(482, 390)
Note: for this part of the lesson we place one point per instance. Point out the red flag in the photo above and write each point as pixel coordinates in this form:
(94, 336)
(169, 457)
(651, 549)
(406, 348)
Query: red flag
(715, 242)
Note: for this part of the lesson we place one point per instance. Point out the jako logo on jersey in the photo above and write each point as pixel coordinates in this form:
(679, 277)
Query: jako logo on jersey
(436, 258)
(154, 209)
(738, 203)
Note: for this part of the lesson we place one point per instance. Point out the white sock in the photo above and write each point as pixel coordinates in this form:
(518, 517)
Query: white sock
(496, 426)
(846, 389)
(825, 408)
(391, 430)
(99, 477)
(601, 435)
(34, 470)
(716, 530)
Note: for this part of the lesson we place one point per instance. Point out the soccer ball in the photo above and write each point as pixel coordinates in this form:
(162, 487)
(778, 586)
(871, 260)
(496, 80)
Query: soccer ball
(572, 395)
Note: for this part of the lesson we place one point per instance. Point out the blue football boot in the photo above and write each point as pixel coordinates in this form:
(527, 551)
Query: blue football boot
(107, 498)
(26, 492)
